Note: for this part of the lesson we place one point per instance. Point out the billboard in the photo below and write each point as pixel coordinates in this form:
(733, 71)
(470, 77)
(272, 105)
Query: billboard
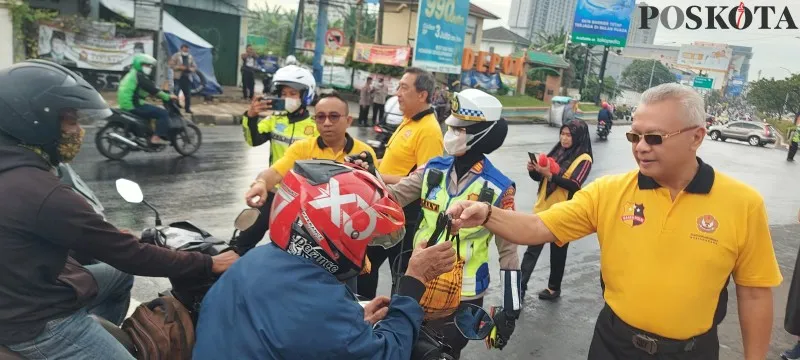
(735, 86)
(382, 54)
(441, 28)
(705, 57)
(602, 22)
(90, 52)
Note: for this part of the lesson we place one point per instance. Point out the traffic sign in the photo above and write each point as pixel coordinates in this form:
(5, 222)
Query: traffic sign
(703, 82)
(334, 38)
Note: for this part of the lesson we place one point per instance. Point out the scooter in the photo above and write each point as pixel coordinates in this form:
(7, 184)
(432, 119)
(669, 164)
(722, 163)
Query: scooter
(383, 132)
(602, 130)
(125, 132)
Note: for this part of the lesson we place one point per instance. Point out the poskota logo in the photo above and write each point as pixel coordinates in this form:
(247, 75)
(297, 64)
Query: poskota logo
(738, 17)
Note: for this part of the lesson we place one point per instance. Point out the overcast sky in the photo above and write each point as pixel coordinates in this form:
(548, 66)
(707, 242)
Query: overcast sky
(773, 49)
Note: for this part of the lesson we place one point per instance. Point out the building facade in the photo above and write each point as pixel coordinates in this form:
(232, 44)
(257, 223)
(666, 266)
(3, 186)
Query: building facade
(503, 41)
(637, 35)
(530, 18)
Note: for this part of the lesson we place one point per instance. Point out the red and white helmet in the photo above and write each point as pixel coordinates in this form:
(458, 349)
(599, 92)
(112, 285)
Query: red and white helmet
(330, 212)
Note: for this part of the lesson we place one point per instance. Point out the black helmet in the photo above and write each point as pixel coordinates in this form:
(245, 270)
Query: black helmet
(33, 95)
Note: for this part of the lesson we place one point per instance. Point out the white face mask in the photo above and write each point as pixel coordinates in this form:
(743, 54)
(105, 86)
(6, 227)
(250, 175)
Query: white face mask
(292, 104)
(455, 142)
(147, 70)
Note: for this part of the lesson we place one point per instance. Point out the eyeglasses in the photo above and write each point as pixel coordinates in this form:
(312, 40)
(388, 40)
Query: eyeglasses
(320, 118)
(654, 139)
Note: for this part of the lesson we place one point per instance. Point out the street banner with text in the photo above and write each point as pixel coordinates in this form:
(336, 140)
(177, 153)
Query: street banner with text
(382, 54)
(602, 22)
(90, 52)
(441, 27)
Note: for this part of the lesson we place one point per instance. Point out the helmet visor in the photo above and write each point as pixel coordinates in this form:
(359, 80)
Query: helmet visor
(88, 116)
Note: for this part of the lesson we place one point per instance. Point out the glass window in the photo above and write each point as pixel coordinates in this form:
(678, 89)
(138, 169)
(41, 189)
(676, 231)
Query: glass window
(472, 27)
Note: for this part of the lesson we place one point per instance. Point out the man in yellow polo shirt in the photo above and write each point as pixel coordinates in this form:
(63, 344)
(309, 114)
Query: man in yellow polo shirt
(333, 143)
(671, 235)
(417, 139)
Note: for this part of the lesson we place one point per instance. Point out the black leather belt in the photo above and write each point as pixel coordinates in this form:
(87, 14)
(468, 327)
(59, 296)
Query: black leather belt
(654, 344)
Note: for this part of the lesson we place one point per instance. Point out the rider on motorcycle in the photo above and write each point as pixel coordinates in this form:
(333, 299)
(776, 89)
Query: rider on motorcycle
(46, 294)
(605, 115)
(287, 300)
(296, 86)
(475, 130)
(135, 86)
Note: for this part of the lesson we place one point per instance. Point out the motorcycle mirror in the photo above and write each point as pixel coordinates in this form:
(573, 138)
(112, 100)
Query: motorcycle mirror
(473, 322)
(130, 191)
(246, 219)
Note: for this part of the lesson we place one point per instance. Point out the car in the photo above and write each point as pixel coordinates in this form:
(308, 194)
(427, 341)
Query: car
(754, 133)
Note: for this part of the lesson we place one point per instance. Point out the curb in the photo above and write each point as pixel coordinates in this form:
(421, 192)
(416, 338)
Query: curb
(214, 120)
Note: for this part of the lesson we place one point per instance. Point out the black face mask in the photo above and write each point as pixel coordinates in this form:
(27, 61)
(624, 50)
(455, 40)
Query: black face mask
(486, 145)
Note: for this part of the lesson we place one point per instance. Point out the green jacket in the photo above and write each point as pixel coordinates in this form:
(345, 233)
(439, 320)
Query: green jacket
(134, 88)
(280, 129)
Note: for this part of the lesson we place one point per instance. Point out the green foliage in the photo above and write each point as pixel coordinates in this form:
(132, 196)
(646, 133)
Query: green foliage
(25, 27)
(769, 95)
(576, 53)
(637, 74)
(783, 126)
(520, 101)
(713, 98)
(610, 88)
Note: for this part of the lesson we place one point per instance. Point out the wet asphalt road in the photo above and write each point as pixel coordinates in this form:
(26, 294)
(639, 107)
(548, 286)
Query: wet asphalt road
(208, 189)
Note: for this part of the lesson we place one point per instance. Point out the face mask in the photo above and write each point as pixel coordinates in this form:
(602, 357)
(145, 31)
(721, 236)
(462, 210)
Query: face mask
(292, 104)
(147, 70)
(455, 142)
(70, 145)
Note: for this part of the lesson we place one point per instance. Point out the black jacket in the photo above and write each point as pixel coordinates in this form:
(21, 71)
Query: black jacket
(40, 221)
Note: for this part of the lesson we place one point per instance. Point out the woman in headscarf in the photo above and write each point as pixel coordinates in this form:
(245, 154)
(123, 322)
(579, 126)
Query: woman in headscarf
(573, 153)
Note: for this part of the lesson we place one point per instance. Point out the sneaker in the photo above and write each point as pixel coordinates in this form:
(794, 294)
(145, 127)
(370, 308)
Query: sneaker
(550, 295)
(792, 354)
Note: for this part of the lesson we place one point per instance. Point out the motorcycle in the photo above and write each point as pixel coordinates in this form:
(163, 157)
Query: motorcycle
(383, 132)
(602, 130)
(125, 132)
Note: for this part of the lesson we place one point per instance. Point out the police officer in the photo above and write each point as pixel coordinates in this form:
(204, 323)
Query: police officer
(296, 87)
(475, 130)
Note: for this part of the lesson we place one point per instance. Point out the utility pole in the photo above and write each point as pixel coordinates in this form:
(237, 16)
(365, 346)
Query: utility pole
(586, 67)
(359, 4)
(319, 46)
(651, 74)
(379, 24)
(602, 74)
(298, 27)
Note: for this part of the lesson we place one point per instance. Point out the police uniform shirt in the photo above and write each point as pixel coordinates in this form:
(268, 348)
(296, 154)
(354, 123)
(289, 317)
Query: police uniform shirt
(665, 263)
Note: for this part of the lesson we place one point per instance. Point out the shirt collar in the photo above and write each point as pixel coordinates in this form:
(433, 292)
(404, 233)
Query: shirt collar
(700, 184)
(422, 114)
(348, 143)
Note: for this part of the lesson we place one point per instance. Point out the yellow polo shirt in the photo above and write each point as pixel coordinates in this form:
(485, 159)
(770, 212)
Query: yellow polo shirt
(665, 263)
(315, 148)
(416, 140)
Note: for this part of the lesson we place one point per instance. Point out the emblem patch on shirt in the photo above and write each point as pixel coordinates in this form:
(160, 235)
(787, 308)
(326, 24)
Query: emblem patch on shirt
(407, 134)
(472, 197)
(429, 205)
(707, 223)
(633, 214)
(309, 130)
(280, 127)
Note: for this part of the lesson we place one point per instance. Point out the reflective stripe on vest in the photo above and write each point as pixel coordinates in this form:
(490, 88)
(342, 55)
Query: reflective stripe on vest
(285, 134)
(474, 243)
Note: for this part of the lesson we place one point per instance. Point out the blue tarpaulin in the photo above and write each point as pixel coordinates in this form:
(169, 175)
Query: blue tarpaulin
(472, 78)
(204, 81)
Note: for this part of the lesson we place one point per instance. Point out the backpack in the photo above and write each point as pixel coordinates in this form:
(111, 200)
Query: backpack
(161, 330)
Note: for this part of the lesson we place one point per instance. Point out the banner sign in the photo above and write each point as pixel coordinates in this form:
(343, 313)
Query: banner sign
(382, 54)
(338, 76)
(509, 81)
(483, 81)
(602, 22)
(335, 55)
(705, 57)
(90, 52)
(441, 27)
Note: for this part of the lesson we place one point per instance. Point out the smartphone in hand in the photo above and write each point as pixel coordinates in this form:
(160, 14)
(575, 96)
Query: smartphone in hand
(277, 104)
(533, 156)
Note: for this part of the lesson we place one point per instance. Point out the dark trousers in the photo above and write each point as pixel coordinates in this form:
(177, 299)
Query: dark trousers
(363, 114)
(377, 114)
(368, 283)
(185, 84)
(558, 259)
(248, 85)
(148, 111)
(792, 151)
(613, 340)
(249, 238)
(446, 327)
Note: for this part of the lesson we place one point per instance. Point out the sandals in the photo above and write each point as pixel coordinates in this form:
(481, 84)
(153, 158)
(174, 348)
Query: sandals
(549, 295)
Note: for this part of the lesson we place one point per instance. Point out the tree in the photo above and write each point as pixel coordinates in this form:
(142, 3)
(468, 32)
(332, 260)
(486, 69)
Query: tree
(610, 88)
(769, 95)
(637, 74)
(713, 98)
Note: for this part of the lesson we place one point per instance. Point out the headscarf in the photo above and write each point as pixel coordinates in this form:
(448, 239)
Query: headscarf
(581, 144)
